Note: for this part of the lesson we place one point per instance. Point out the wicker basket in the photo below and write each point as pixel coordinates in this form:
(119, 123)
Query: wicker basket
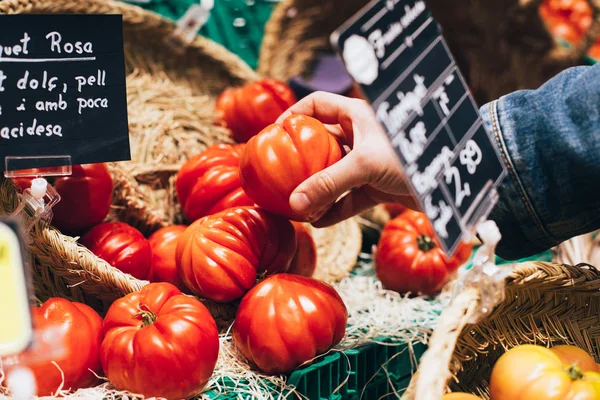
(501, 46)
(172, 88)
(545, 304)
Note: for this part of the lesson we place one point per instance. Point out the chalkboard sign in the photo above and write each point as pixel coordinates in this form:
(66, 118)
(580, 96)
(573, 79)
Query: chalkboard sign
(395, 51)
(62, 88)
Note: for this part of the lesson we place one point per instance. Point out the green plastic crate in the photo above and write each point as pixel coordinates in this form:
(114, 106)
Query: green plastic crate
(237, 25)
(382, 389)
(352, 374)
(371, 363)
(320, 380)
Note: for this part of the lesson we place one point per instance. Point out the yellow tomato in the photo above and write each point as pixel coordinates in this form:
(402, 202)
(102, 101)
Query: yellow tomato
(460, 396)
(573, 355)
(531, 372)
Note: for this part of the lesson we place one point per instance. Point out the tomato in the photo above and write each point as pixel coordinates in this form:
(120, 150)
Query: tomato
(594, 52)
(559, 25)
(460, 396)
(220, 256)
(249, 109)
(564, 30)
(394, 209)
(159, 342)
(79, 361)
(408, 258)
(85, 196)
(287, 320)
(531, 372)
(281, 157)
(164, 249)
(574, 355)
(304, 262)
(122, 246)
(581, 16)
(210, 182)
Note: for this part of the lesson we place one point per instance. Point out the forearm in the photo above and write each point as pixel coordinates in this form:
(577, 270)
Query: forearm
(550, 142)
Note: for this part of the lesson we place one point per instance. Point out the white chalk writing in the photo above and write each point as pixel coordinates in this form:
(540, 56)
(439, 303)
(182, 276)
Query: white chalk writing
(16, 49)
(412, 148)
(381, 40)
(2, 79)
(471, 156)
(453, 175)
(441, 224)
(57, 45)
(409, 103)
(426, 180)
(34, 83)
(32, 130)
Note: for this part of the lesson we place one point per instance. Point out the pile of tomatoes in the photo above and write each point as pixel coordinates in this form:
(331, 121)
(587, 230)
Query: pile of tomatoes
(569, 20)
(530, 372)
(243, 244)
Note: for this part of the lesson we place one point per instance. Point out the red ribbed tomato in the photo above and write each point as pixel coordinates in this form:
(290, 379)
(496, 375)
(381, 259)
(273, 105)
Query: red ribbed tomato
(304, 262)
(164, 250)
(210, 182)
(159, 343)
(595, 51)
(559, 24)
(281, 157)
(249, 109)
(220, 256)
(287, 320)
(81, 330)
(85, 197)
(122, 246)
(408, 258)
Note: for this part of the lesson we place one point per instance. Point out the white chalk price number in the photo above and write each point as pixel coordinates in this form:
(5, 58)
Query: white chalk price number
(470, 157)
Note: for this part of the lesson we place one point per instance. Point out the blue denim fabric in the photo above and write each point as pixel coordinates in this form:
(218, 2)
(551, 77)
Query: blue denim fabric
(549, 139)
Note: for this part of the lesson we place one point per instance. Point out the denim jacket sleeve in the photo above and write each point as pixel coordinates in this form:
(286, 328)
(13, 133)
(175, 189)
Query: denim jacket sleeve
(549, 139)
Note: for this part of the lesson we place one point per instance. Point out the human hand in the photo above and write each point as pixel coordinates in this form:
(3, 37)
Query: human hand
(368, 175)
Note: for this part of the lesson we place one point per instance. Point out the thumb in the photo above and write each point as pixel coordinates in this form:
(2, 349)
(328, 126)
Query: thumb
(324, 188)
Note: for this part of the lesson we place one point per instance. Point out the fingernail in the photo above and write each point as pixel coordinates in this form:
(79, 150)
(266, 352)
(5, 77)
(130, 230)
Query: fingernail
(299, 202)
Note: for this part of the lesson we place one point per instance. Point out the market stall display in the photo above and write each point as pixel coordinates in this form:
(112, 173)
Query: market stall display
(163, 136)
(275, 306)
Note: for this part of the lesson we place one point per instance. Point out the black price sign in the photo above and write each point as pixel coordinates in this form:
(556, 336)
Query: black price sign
(394, 50)
(62, 88)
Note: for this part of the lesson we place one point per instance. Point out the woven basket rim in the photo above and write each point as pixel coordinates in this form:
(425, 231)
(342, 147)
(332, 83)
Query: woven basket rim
(454, 340)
